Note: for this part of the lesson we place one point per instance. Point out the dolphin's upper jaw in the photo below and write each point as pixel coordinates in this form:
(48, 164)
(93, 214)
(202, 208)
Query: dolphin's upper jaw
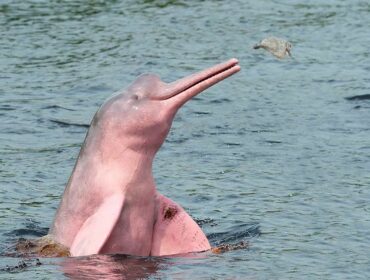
(184, 89)
(151, 88)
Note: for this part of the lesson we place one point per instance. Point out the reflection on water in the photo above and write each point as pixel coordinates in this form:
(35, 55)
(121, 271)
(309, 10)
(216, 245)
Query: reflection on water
(112, 267)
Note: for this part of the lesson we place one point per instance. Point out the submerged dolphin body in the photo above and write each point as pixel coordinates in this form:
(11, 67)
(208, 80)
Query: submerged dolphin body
(110, 204)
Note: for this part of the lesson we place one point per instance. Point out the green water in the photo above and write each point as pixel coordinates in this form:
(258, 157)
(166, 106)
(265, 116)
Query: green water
(276, 146)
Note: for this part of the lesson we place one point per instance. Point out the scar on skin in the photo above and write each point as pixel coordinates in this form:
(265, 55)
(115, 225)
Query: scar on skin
(169, 212)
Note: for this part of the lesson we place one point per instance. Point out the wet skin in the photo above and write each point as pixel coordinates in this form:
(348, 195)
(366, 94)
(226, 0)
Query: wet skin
(110, 204)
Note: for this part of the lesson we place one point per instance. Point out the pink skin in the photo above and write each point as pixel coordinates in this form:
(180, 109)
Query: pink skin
(111, 204)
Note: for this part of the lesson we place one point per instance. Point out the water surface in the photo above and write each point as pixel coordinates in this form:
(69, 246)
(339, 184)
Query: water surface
(277, 146)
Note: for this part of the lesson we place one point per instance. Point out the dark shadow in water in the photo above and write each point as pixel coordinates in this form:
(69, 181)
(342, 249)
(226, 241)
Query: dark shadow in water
(20, 266)
(31, 229)
(68, 124)
(57, 107)
(359, 97)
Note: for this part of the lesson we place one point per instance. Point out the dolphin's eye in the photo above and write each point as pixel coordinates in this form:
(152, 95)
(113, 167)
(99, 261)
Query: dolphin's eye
(135, 97)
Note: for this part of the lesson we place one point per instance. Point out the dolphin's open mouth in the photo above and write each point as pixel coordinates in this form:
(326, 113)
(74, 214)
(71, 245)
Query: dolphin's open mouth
(186, 88)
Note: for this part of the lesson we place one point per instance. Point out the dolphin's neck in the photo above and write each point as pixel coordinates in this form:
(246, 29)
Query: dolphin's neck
(113, 155)
(117, 168)
(99, 175)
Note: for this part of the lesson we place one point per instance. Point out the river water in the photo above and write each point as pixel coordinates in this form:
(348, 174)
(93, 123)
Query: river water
(276, 156)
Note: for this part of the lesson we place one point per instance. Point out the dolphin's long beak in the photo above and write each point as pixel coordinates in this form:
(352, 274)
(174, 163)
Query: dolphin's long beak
(184, 89)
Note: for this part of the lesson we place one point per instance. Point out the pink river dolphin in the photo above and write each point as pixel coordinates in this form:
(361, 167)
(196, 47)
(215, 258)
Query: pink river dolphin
(110, 204)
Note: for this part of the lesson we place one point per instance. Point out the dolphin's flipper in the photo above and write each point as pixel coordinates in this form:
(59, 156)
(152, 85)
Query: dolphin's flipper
(175, 232)
(97, 228)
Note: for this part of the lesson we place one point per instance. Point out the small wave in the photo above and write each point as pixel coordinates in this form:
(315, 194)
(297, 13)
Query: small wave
(68, 124)
(358, 97)
(235, 234)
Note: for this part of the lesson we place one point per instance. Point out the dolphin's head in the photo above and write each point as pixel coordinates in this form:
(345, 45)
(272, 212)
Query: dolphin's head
(140, 117)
